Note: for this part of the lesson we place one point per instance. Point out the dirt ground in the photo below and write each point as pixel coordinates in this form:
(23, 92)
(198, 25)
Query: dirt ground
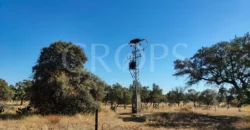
(172, 118)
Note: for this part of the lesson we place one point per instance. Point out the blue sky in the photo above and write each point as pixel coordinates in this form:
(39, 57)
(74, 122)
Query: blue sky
(27, 26)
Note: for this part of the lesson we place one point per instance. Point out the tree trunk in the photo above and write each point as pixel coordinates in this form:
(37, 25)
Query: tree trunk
(125, 107)
(21, 102)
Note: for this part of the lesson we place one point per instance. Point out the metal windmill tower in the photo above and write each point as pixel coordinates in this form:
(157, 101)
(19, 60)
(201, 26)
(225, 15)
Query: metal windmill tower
(136, 46)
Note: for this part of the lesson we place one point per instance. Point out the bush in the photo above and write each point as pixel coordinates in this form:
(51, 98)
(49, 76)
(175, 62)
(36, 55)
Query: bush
(113, 108)
(1, 110)
(156, 106)
(24, 111)
(68, 102)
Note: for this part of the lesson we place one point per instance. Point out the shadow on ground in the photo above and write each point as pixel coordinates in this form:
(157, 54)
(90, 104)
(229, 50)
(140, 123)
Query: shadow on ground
(7, 116)
(183, 120)
(128, 117)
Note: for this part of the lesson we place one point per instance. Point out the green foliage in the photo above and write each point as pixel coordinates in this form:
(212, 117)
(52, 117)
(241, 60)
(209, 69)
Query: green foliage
(222, 63)
(126, 96)
(59, 57)
(113, 108)
(24, 111)
(122, 94)
(222, 94)
(61, 85)
(156, 94)
(145, 94)
(208, 97)
(176, 95)
(1, 109)
(116, 94)
(23, 90)
(5, 91)
(13, 90)
(193, 96)
(230, 96)
(94, 85)
(108, 95)
(156, 106)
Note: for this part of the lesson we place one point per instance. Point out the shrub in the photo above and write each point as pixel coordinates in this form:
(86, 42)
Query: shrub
(68, 102)
(113, 108)
(156, 106)
(24, 111)
(1, 109)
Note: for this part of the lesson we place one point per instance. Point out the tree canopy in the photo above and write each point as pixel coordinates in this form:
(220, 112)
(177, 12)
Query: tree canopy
(61, 84)
(23, 90)
(5, 91)
(145, 94)
(176, 95)
(222, 63)
(208, 97)
(156, 95)
(193, 96)
(117, 94)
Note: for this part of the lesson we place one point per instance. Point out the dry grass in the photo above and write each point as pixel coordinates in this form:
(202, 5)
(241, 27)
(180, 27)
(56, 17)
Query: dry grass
(163, 118)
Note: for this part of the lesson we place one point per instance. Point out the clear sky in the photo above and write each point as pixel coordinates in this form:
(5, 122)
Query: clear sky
(28, 25)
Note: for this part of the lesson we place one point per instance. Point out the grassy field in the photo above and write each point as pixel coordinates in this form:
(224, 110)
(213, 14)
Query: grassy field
(184, 117)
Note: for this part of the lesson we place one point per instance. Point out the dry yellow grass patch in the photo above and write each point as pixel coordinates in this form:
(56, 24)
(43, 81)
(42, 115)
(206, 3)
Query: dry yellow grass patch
(165, 117)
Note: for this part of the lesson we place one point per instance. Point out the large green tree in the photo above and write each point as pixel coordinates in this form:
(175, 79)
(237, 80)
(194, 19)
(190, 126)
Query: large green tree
(126, 97)
(109, 96)
(193, 96)
(145, 94)
(13, 90)
(222, 94)
(23, 91)
(222, 63)
(156, 94)
(208, 97)
(5, 91)
(59, 81)
(176, 95)
(117, 94)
